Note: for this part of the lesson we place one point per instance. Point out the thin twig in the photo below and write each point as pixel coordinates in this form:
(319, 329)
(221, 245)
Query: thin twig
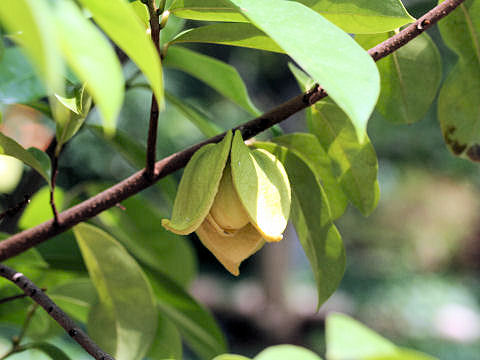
(52, 309)
(137, 182)
(14, 297)
(52, 190)
(154, 109)
(16, 208)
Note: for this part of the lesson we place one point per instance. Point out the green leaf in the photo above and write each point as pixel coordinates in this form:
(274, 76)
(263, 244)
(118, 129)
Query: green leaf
(18, 80)
(410, 77)
(31, 24)
(312, 220)
(458, 110)
(404, 354)
(234, 34)
(217, 74)
(92, 59)
(362, 16)
(352, 81)
(50, 350)
(230, 357)
(208, 10)
(287, 352)
(348, 339)
(195, 323)
(141, 11)
(307, 147)
(205, 125)
(75, 297)
(122, 25)
(36, 212)
(168, 343)
(125, 295)
(30, 157)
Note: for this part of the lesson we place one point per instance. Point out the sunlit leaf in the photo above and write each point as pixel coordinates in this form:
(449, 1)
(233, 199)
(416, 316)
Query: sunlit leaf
(209, 10)
(287, 352)
(230, 357)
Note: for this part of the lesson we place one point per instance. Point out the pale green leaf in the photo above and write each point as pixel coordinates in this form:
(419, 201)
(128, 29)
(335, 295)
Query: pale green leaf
(410, 77)
(319, 47)
(230, 357)
(348, 339)
(168, 343)
(208, 10)
(92, 59)
(40, 163)
(122, 25)
(141, 11)
(37, 210)
(222, 77)
(313, 222)
(234, 34)
(205, 125)
(362, 16)
(196, 325)
(287, 352)
(125, 295)
(458, 110)
(404, 354)
(307, 147)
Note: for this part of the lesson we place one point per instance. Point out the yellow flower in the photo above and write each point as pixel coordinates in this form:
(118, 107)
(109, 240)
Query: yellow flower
(234, 198)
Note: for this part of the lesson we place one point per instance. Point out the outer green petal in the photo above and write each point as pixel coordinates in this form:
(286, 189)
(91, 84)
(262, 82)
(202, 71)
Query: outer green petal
(263, 188)
(230, 250)
(198, 187)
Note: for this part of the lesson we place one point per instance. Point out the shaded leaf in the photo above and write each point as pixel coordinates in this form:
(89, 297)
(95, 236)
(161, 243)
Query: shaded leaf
(222, 77)
(362, 16)
(119, 21)
(51, 350)
(287, 352)
(36, 159)
(234, 34)
(125, 295)
(410, 77)
(313, 223)
(351, 81)
(167, 343)
(196, 325)
(458, 110)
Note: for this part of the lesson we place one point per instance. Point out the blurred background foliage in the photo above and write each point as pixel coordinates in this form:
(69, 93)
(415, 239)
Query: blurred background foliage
(412, 267)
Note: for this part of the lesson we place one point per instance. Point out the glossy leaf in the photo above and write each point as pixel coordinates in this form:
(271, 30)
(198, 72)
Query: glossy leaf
(362, 16)
(205, 125)
(125, 295)
(196, 325)
(198, 187)
(308, 148)
(410, 77)
(208, 10)
(75, 297)
(215, 73)
(348, 339)
(287, 352)
(18, 80)
(351, 81)
(167, 343)
(313, 222)
(100, 69)
(33, 28)
(263, 188)
(234, 34)
(122, 25)
(40, 163)
(50, 350)
(458, 110)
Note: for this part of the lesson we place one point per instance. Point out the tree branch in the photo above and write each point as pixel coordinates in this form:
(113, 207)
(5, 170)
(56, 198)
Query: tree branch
(137, 182)
(154, 109)
(37, 295)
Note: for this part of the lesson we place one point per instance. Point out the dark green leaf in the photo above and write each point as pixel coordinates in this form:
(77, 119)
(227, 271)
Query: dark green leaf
(319, 47)
(458, 109)
(52, 351)
(33, 158)
(287, 352)
(410, 77)
(362, 16)
(313, 222)
(125, 295)
(217, 74)
(205, 125)
(234, 34)
(168, 343)
(195, 323)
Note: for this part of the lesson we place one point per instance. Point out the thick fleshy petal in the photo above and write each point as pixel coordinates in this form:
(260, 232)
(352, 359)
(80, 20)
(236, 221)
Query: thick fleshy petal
(263, 188)
(230, 250)
(198, 187)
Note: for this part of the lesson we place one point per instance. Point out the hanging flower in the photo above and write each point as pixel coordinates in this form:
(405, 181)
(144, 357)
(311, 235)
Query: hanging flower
(234, 198)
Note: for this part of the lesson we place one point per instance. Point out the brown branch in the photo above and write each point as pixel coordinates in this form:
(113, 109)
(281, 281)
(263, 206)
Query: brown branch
(16, 208)
(52, 190)
(52, 309)
(137, 182)
(154, 109)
